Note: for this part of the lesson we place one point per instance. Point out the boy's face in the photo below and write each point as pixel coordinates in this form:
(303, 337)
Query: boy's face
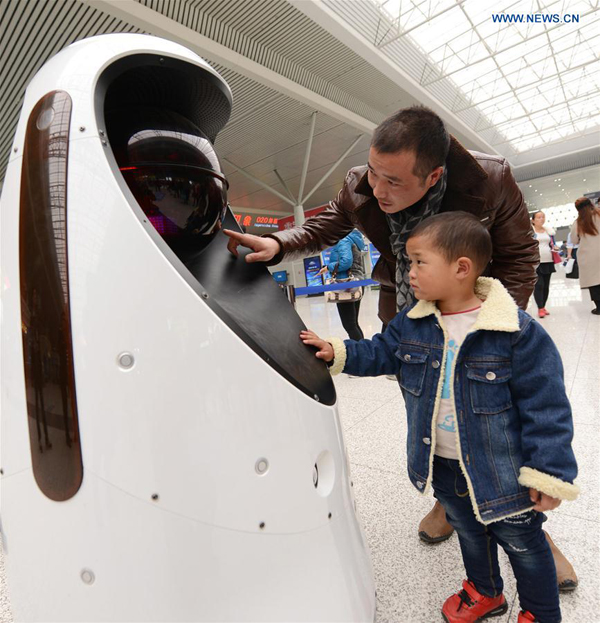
(432, 277)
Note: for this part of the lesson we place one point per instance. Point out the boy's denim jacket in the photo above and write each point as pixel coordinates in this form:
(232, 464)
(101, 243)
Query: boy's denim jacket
(514, 424)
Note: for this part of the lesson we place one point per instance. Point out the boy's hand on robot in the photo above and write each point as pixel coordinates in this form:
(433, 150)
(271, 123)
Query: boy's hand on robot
(325, 349)
(264, 249)
(542, 501)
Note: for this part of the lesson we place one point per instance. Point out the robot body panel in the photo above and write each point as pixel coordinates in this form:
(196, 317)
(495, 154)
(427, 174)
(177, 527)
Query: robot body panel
(213, 487)
(152, 565)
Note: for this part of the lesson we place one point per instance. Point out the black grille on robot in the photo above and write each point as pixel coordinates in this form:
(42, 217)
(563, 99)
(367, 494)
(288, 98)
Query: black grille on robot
(146, 80)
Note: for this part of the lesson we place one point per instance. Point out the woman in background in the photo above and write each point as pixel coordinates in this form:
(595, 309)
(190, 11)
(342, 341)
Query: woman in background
(572, 255)
(543, 234)
(346, 261)
(585, 232)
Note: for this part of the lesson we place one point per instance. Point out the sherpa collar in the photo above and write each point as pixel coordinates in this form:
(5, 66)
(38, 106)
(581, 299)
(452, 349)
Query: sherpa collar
(499, 312)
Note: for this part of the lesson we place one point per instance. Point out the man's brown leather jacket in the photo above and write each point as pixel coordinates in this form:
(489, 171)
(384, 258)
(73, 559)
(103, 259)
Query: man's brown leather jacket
(476, 183)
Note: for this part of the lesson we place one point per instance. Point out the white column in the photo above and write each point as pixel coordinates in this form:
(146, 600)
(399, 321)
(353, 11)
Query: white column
(299, 215)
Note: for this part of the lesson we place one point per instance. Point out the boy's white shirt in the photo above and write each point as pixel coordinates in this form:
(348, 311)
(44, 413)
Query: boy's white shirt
(458, 326)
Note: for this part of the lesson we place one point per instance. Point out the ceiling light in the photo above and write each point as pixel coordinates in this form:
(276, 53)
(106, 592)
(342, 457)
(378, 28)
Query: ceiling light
(584, 180)
(530, 184)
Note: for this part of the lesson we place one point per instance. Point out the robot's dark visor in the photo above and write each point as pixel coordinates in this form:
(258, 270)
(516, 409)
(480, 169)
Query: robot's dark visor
(180, 201)
(173, 172)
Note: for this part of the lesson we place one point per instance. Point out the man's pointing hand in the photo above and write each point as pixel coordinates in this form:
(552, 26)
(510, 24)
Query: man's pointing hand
(264, 249)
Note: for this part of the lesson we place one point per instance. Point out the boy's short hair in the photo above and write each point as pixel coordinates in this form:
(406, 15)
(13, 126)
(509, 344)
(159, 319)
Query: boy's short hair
(457, 234)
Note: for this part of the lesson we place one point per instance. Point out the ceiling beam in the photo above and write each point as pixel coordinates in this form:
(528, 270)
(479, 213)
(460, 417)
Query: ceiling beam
(262, 184)
(322, 15)
(149, 20)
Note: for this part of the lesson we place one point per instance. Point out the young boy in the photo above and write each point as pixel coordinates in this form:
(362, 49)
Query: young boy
(489, 422)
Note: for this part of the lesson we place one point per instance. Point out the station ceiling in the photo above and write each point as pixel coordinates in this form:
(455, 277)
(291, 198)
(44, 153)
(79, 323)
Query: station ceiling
(286, 59)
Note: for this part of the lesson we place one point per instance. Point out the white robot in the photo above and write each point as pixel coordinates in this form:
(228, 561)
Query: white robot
(170, 449)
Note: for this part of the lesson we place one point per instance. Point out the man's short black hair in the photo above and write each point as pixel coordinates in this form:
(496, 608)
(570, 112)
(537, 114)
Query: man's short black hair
(416, 129)
(457, 234)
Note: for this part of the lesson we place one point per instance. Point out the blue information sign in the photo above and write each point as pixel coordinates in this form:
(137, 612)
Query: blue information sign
(280, 276)
(312, 265)
(374, 254)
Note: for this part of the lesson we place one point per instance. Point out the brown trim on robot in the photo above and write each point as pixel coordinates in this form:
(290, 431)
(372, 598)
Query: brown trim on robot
(45, 312)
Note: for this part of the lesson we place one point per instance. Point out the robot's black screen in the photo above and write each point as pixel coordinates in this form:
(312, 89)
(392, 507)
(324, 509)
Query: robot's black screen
(256, 308)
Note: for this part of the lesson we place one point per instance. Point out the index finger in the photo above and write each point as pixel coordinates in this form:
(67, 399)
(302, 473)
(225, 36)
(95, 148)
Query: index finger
(236, 235)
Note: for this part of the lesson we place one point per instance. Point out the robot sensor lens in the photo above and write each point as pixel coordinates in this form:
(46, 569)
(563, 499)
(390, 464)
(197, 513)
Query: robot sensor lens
(261, 467)
(324, 473)
(126, 360)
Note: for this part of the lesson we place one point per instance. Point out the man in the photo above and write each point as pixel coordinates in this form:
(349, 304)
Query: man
(416, 169)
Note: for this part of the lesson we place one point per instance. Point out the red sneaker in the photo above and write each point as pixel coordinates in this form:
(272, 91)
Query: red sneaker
(469, 606)
(526, 617)
(541, 312)
(546, 312)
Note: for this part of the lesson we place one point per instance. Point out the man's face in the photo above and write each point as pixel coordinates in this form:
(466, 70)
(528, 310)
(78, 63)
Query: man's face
(431, 275)
(394, 184)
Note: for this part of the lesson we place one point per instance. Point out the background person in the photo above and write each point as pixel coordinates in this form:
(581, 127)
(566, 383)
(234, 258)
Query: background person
(572, 254)
(585, 232)
(543, 234)
(345, 261)
(416, 169)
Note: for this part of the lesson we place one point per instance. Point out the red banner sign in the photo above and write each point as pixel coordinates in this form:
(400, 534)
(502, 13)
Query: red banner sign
(289, 221)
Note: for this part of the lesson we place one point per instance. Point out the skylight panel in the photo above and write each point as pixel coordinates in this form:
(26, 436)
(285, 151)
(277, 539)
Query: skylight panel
(585, 124)
(440, 30)
(475, 72)
(408, 14)
(510, 108)
(530, 51)
(585, 107)
(568, 59)
(535, 82)
(518, 129)
(546, 119)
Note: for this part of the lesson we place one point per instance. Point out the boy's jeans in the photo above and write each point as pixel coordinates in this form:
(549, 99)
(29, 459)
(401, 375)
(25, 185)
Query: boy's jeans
(521, 537)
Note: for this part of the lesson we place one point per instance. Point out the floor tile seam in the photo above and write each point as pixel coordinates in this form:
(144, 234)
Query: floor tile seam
(579, 359)
(514, 603)
(562, 514)
(572, 383)
(375, 469)
(384, 404)
(362, 419)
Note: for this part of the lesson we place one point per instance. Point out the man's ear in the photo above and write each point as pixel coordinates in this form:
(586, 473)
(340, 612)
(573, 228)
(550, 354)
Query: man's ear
(435, 175)
(464, 267)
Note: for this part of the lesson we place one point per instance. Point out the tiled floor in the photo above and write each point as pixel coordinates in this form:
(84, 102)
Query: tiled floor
(413, 579)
